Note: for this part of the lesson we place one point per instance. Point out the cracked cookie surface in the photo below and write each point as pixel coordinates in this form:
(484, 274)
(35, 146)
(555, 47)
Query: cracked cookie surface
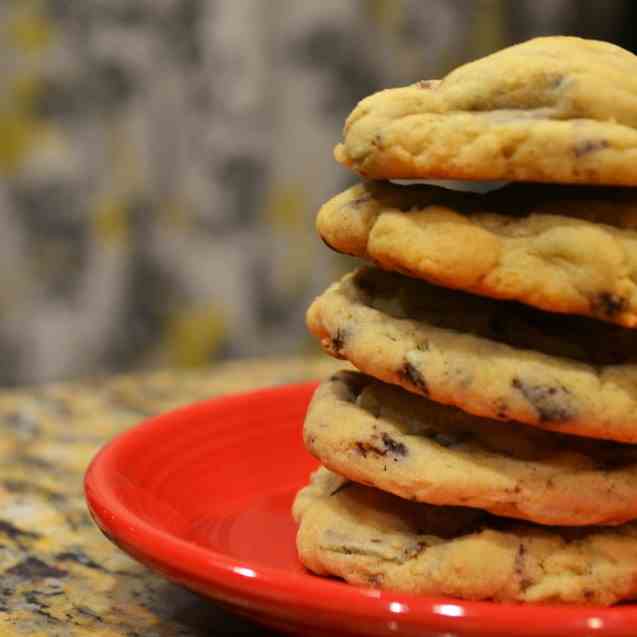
(372, 538)
(381, 435)
(560, 248)
(495, 359)
(556, 109)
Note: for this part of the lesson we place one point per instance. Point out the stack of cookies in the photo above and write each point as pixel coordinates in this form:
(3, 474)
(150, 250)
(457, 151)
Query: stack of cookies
(487, 448)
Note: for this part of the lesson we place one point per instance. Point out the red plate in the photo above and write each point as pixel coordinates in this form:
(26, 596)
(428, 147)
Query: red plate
(202, 495)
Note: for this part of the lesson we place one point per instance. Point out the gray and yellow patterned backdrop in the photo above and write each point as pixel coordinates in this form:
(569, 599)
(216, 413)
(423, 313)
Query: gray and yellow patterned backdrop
(161, 162)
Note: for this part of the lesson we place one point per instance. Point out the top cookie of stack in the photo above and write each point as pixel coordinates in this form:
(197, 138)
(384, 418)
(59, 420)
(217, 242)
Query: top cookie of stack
(554, 109)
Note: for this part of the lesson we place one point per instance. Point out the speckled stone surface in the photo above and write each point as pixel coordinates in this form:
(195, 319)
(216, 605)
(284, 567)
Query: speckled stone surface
(58, 575)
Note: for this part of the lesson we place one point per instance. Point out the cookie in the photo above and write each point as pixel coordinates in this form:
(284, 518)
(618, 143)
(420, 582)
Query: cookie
(554, 109)
(495, 359)
(383, 436)
(559, 248)
(375, 539)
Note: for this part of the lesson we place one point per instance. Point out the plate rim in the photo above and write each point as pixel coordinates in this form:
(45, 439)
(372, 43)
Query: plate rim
(159, 549)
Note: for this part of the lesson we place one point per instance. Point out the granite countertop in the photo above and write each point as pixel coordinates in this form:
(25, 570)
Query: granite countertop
(59, 575)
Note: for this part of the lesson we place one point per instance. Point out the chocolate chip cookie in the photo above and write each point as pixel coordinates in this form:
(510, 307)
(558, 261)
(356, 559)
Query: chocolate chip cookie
(376, 539)
(381, 435)
(495, 359)
(555, 109)
(559, 248)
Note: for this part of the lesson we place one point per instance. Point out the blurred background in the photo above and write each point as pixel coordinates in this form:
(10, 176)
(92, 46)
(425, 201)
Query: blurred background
(162, 161)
